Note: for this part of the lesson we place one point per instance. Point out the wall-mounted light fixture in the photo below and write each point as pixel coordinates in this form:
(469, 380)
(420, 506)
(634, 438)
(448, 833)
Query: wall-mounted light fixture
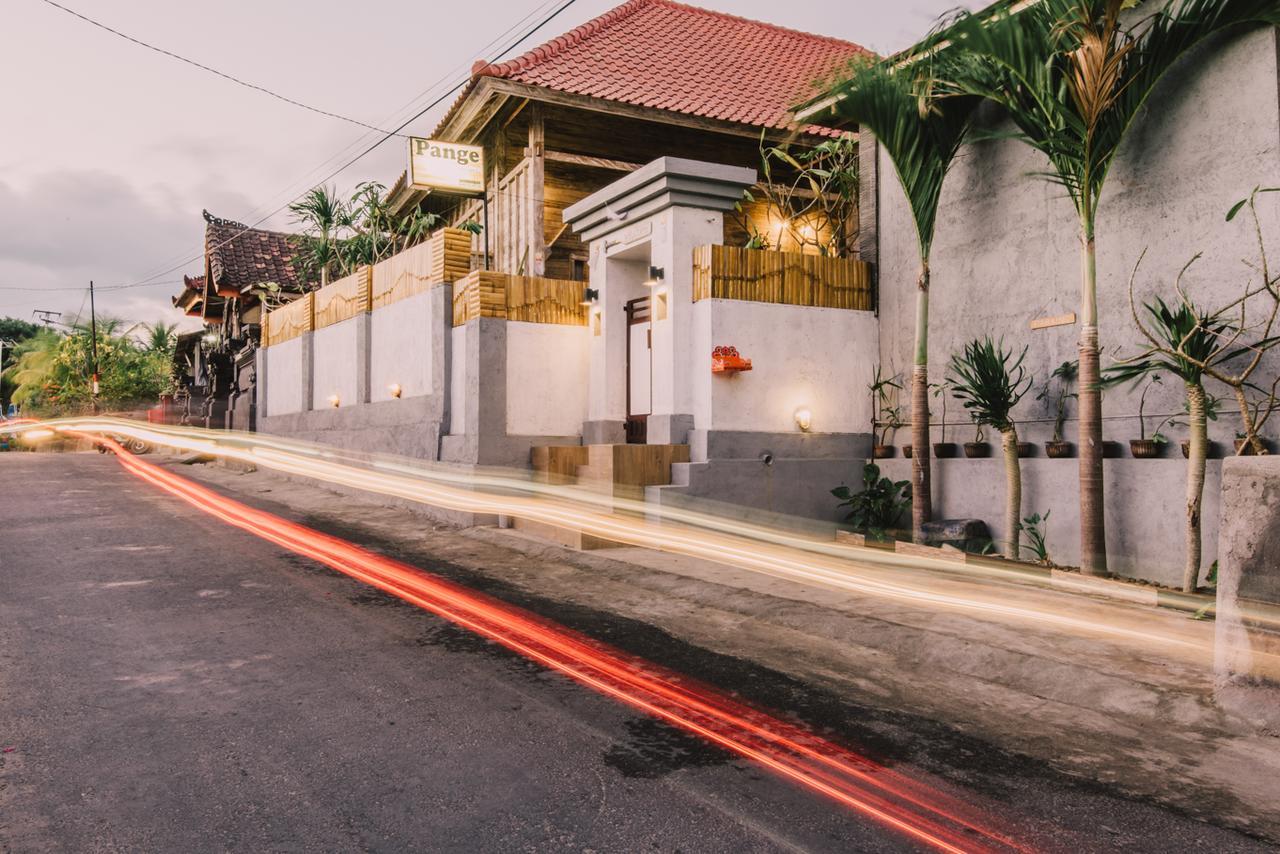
(395, 389)
(804, 419)
(589, 296)
(335, 401)
(656, 275)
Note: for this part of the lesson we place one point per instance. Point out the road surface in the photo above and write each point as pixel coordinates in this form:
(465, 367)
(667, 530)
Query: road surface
(168, 683)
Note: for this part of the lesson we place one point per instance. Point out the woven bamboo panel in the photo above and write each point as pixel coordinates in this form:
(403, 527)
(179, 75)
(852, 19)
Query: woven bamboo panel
(487, 293)
(536, 300)
(442, 258)
(289, 321)
(343, 299)
(788, 278)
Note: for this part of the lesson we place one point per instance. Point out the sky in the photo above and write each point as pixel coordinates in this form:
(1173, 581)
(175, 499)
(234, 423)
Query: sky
(109, 152)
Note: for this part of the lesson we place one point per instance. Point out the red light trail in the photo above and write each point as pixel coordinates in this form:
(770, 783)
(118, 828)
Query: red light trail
(910, 807)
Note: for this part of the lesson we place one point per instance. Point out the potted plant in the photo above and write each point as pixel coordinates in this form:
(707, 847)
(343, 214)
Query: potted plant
(876, 510)
(1148, 447)
(942, 449)
(978, 449)
(990, 381)
(1026, 449)
(1060, 392)
(888, 418)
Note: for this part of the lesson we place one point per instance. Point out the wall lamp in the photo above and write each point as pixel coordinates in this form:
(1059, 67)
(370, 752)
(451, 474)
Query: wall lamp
(656, 275)
(395, 389)
(335, 401)
(804, 419)
(589, 296)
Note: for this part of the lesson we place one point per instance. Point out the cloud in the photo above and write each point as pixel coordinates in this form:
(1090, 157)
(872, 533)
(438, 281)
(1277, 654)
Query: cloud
(62, 229)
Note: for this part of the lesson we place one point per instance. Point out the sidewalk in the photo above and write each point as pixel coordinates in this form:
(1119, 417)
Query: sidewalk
(1130, 713)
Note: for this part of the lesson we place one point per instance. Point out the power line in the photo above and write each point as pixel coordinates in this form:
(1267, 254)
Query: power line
(264, 90)
(386, 135)
(119, 287)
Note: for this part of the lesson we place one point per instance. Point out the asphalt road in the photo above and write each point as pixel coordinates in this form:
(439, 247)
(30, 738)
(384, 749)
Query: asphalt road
(168, 683)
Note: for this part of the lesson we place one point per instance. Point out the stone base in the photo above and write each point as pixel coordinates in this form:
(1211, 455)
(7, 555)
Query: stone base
(604, 432)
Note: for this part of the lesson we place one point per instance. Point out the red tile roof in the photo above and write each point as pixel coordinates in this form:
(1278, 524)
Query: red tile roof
(669, 56)
(240, 257)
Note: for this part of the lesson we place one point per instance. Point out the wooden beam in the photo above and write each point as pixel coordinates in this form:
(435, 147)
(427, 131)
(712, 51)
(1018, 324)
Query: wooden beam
(1057, 320)
(593, 162)
(535, 219)
(617, 108)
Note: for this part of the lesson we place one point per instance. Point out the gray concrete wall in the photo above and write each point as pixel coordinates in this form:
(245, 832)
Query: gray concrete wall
(408, 427)
(1006, 253)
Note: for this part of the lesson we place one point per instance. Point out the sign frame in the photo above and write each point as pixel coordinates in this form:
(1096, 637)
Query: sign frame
(446, 167)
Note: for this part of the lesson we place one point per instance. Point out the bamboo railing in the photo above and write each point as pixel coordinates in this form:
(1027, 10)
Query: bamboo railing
(487, 293)
(343, 299)
(788, 278)
(289, 321)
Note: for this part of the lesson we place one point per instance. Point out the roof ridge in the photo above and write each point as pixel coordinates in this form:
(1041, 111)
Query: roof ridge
(230, 223)
(564, 41)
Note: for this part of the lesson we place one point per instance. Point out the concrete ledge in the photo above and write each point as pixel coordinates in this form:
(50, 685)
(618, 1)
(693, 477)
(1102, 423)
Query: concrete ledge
(750, 445)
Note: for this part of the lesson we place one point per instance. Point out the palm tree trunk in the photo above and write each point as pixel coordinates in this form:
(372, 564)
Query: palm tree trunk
(921, 489)
(1195, 483)
(1013, 493)
(1093, 532)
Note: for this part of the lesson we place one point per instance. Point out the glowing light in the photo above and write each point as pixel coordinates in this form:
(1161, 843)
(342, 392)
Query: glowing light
(892, 798)
(395, 389)
(38, 434)
(804, 419)
(335, 401)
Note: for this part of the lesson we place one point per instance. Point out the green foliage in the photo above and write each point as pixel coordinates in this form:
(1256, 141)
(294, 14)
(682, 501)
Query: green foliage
(884, 394)
(989, 381)
(813, 189)
(919, 122)
(879, 506)
(53, 372)
(342, 235)
(1072, 76)
(1184, 341)
(1034, 527)
(1066, 375)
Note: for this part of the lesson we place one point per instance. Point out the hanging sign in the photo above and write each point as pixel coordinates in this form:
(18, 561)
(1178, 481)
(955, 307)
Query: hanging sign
(446, 166)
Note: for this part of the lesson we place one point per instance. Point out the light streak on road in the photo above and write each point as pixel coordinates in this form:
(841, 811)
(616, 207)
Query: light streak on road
(763, 550)
(910, 807)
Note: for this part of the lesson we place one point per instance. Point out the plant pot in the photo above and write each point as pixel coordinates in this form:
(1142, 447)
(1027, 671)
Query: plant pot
(906, 451)
(944, 450)
(1210, 449)
(1110, 450)
(1146, 449)
(883, 452)
(1026, 449)
(1059, 450)
(977, 450)
(1244, 449)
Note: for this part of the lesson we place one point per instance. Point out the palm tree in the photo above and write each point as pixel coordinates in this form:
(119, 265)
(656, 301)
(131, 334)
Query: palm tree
(1183, 341)
(31, 370)
(920, 130)
(1072, 77)
(990, 381)
(161, 336)
(323, 215)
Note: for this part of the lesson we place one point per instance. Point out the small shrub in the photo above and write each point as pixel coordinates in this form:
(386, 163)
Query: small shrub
(1034, 526)
(877, 508)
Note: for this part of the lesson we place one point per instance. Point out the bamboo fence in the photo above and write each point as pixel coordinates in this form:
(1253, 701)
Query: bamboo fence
(486, 293)
(343, 299)
(289, 321)
(787, 278)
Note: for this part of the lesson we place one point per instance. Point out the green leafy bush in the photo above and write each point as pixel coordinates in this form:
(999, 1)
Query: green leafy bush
(877, 508)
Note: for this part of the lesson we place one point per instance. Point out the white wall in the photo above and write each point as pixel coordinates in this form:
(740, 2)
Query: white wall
(400, 348)
(336, 363)
(820, 359)
(458, 382)
(546, 378)
(284, 377)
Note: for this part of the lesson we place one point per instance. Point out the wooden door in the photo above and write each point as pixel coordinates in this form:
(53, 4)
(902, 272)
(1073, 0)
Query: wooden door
(639, 369)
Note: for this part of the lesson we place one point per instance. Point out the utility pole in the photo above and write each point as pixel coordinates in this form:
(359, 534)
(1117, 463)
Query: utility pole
(93, 331)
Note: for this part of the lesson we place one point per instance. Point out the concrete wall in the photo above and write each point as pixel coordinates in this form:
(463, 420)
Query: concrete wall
(816, 358)
(458, 380)
(284, 368)
(337, 362)
(1006, 253)
(1146, 507)
(546, 378)
(408, 427)
(1006, 249)
(400, 348)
